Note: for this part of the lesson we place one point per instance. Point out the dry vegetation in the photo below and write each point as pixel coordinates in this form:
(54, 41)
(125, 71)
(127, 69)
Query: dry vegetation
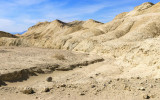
(59, 57)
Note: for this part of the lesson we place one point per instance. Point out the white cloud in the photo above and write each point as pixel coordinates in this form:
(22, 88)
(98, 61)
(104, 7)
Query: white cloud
(5, 23)
(14, 28)
(11, 26)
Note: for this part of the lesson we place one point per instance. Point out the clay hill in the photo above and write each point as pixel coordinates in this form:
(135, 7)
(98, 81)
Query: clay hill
(121, 56)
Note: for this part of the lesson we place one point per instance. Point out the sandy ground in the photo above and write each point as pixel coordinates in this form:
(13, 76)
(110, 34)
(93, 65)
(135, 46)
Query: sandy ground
(17, 58)
(95, 81)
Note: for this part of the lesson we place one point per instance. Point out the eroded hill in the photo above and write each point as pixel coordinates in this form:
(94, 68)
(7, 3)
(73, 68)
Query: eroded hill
(89, 36)
(127, 65)
(131, 37)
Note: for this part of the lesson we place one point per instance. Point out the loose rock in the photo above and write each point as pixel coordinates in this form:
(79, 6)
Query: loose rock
(46, 89)
(28, 90)
(82, 93)
(63, 85)
(146, 97)
(49, 79)
(93, 86)
(142, 89)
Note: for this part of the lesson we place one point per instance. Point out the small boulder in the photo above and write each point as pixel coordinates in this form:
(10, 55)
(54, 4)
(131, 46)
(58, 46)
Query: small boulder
(63, 85)
(46, 89)
(82, 93)
(142, 89)
(146, 97)
(28, 90)
(93, 86)
(49, 79)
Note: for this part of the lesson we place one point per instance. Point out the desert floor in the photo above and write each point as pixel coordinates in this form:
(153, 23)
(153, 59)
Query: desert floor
(75, 76)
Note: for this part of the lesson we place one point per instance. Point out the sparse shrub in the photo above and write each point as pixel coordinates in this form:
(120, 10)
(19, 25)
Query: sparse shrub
(59, 57)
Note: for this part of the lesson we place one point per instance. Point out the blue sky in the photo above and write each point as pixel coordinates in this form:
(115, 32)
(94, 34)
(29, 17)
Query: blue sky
(19, 15)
